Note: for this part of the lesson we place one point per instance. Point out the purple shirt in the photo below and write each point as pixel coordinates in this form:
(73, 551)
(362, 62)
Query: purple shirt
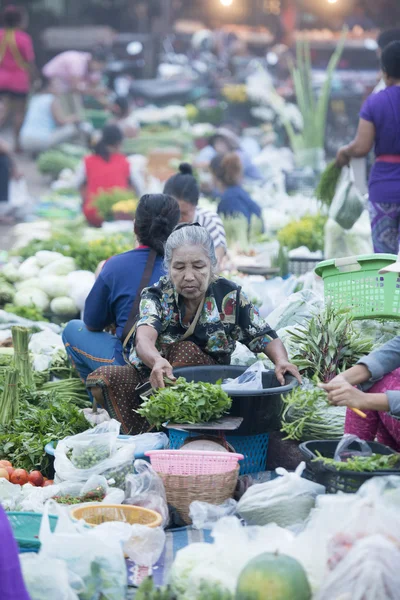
(12, 585)
(383, 110)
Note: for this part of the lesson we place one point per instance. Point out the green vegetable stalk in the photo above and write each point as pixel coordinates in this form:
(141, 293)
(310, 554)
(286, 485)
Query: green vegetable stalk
(22, 361)
(376, 462)
(9, 401)
(326, 189)
(308, 416)
(185, 403)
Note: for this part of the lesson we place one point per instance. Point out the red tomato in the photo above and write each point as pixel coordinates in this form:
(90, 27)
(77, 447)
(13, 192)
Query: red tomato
(19, 476)
(5, 463)
(48, 482)
(10, 470)
(35, 478)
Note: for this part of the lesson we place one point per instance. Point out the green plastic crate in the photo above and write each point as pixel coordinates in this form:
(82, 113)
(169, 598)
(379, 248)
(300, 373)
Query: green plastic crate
(25, 526)
(354, 283)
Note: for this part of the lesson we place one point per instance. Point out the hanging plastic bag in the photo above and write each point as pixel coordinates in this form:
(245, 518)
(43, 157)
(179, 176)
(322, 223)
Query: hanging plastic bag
(370, 571)
(348, 203)
(250, 380)
(97, 451)
(286, 501)
(343, 451)
(93, 555)
(145, 488)
(205, 515)
(48, 578)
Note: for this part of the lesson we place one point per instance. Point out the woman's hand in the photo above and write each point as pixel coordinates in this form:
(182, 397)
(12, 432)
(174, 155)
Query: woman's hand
(161, 369)
(342, 157)
(342, 393)
(284, 366)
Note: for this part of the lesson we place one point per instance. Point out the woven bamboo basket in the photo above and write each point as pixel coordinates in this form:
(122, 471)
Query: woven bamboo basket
(182, 490)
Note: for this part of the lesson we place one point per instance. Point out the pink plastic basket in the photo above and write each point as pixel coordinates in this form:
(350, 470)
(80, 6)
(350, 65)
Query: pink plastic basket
(190, 462)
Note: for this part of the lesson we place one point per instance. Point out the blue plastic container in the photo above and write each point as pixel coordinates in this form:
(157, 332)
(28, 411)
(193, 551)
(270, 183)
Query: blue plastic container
(253, 447)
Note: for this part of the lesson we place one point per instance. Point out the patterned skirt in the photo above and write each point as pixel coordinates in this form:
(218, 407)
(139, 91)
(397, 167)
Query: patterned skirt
(114, 388)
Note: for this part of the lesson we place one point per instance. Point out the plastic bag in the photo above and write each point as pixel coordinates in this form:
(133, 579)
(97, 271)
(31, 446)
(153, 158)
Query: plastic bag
(242, 356)
(286, 501)
(146, 489)
(94, 555)
(343, 452)
(48, 578)
(97, 451)
(348, 203)
(205, 515)
(250, 380)
(370, 571)
(145, 545)
(296, 310)
(44, 346)
(10, 494)
(340, 242)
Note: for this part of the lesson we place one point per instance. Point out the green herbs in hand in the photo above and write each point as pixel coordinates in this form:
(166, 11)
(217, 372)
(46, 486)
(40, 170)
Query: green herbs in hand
(185, 403)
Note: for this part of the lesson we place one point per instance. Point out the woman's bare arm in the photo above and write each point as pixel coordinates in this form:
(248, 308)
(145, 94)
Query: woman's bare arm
(360, 146)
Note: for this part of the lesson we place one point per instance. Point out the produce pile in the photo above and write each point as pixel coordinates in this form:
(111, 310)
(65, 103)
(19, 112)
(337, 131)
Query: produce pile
(376, 462)
(34, 410)
(185, 402)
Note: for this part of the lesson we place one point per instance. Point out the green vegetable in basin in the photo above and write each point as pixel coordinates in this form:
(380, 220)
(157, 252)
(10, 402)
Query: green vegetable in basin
(185, 403)
(376, 462)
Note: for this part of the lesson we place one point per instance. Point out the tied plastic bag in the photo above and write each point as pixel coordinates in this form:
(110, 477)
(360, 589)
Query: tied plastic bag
(205, 515)
(343, 451)
(250, 380)
(286, 501)
(97, 451)
(94, 555)
(145, 545)
(348, 204)
(48, 578)
(146, 489)
(370, 571)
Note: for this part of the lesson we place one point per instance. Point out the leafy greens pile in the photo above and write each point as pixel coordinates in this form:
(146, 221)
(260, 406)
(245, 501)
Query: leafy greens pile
(328, 344)
(376, 462)
(185, 403)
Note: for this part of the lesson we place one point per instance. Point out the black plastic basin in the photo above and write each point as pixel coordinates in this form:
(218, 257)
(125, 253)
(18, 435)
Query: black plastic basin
(261, 410)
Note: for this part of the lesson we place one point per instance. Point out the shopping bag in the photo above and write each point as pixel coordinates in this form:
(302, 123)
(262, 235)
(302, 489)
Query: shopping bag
(348, 203)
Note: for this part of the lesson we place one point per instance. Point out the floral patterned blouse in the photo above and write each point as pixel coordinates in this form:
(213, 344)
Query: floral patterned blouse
(227, 317)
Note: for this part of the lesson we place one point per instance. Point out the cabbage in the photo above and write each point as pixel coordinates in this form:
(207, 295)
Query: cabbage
(32, 282)
(29, 297)
(63, 307)
(54, 285)
(62, 266)
(79, 285)
(29, 268)
(11, 273)
(46, 257)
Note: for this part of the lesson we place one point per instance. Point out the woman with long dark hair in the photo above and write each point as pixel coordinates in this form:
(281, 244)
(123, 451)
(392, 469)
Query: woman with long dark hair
(113, 299)
(107, 168)
(17, 60)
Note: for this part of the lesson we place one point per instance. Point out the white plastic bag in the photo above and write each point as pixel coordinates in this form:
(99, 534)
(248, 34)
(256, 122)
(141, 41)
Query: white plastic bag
(145, 488)
(296, 310)
(250, 380)
(286, 501)
(48, 578)
(145, 545)
(44, 346)
(356, 241)
(348, 204)
(97, 451)
(205, 515)
(370, 571)
(10, 494)
(94, 555)
(343, 451)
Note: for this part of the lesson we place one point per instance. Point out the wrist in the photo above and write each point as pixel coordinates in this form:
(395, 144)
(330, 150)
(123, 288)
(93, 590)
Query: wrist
(379, 402)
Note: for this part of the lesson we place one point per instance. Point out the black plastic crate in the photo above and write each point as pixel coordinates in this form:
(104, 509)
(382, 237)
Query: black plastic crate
(339, 481)
(261, 410)
(302, 265)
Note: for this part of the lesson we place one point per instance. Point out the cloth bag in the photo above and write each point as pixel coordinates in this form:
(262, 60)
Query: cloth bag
(348, 203)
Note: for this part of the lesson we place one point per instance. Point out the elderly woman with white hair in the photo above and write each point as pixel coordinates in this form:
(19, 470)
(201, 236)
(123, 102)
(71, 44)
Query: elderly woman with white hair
(190, 317)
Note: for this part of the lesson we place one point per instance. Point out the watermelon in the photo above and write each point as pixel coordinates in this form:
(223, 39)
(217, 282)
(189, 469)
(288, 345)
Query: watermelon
(273, 577)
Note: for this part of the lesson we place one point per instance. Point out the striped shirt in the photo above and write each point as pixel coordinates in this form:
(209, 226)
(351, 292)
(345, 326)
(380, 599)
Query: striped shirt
(212, 222)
